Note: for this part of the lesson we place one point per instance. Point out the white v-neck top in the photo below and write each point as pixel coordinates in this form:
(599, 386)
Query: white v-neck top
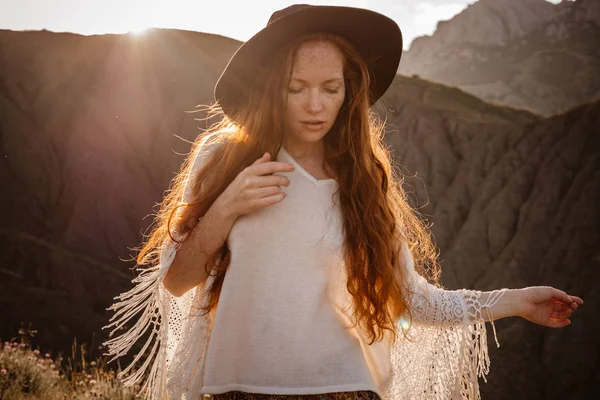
(278, 328)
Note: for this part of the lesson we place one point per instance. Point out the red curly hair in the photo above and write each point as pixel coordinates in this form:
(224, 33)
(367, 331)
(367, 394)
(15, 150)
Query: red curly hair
(376, 213)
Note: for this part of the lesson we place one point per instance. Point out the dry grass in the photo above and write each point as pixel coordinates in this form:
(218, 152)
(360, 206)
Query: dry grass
(27, 373)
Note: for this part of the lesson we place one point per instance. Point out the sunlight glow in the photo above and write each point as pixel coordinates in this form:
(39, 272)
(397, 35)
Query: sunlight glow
(404, 322)
(236, 19)
(139, 31)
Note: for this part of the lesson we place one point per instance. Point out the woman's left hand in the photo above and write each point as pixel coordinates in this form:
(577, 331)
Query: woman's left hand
(547, 306)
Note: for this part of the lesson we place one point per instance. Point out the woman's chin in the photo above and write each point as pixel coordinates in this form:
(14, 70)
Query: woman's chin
(312, 135)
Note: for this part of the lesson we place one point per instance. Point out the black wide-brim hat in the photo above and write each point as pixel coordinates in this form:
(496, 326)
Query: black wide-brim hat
(377, 38)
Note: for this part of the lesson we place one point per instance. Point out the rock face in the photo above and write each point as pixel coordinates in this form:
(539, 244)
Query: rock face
(488, 23)
(94, 128)
(89, 143)
(514, 202)
(525, 54)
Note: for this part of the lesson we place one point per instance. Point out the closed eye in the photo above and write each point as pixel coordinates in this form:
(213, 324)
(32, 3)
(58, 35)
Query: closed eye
(295, 91)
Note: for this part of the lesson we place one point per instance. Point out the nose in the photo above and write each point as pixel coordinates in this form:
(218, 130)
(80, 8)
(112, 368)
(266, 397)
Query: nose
(314, 103)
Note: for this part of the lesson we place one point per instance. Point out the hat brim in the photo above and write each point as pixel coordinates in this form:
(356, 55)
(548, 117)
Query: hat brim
(376, 37)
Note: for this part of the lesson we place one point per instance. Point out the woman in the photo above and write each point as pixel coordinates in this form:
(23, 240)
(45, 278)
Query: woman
(286, 262)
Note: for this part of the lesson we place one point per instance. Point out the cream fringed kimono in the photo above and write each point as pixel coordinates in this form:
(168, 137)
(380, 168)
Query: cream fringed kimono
(293, 341)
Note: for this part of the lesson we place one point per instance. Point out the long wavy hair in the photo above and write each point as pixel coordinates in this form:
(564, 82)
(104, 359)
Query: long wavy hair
(376, 213)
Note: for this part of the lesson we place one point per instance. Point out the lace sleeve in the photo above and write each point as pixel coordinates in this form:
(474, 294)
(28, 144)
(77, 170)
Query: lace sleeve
(431, 305)
(445, 350)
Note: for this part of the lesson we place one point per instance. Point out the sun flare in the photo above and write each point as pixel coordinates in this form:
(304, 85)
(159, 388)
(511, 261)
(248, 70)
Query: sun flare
(139, 30)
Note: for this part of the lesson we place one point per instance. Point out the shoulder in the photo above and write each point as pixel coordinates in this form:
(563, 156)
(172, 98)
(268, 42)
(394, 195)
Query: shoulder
(203, 152)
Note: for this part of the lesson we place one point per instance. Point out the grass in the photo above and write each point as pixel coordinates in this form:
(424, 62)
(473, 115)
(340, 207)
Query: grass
(27, 373)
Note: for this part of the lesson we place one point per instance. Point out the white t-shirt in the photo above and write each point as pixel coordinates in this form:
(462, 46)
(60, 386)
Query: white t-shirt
(278, 328)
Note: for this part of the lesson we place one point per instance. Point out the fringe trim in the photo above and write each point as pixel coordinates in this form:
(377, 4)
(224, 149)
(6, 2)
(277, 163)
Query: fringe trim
(443, 362)
(475, 353)
(159, 312)
(143, 300)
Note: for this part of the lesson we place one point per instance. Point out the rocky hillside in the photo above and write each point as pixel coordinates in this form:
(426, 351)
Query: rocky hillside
(93, 129)
(528, 54)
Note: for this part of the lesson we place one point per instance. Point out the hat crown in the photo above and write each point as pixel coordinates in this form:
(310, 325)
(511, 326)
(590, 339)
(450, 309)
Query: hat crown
(287, 11)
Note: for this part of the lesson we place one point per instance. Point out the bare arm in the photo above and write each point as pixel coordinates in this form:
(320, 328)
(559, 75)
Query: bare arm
(508, 305)
(543, 305)
(209, 234)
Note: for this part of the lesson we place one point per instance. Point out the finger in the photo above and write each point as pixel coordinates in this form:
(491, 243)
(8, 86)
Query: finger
(265, 157)
(562, 296)
(560, 306)
(269, 200)
(265, 191)
(552, 323)
(272, 180)
(272, 167)
(577, 300)
(562, 314)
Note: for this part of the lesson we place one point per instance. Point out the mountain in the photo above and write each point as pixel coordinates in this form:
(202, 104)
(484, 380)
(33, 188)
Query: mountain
(94, 128)
(527, 54)
(89, 144)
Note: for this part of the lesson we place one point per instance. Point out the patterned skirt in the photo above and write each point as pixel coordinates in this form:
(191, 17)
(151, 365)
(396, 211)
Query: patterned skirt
(235, 395)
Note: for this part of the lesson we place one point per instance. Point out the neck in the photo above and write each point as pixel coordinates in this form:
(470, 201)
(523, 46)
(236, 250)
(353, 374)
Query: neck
(300, 149)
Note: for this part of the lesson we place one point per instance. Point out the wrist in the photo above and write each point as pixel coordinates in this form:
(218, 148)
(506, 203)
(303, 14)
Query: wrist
(514, 303)
(224, 210)
(522, 302)
(501, 303)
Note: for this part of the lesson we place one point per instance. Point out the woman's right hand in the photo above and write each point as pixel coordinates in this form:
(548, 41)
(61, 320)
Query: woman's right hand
(255, 187)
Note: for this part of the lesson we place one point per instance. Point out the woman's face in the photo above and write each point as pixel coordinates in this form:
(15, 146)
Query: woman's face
(316, 91)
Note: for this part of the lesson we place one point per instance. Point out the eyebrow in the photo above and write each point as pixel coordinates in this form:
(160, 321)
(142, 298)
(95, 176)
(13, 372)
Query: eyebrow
(327, 81)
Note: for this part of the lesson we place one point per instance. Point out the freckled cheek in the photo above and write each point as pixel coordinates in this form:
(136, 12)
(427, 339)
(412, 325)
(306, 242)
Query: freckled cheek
(294, 107)
(336, 103)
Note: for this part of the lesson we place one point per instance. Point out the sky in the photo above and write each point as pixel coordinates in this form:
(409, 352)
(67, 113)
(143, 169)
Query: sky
(238, 19)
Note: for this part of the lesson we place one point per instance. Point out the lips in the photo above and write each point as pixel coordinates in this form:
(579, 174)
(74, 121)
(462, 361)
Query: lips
(313, 125)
